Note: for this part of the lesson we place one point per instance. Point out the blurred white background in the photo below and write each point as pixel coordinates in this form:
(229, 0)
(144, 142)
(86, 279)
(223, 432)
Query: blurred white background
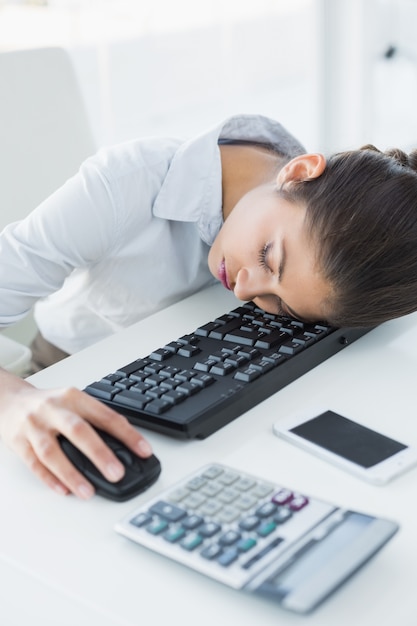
(337, 73)
(176, 67)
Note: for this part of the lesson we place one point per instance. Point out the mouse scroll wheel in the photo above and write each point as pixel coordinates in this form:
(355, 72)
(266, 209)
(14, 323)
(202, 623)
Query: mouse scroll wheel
(124, 456)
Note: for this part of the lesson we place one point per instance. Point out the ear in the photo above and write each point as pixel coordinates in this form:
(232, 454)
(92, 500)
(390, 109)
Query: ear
(302, 167)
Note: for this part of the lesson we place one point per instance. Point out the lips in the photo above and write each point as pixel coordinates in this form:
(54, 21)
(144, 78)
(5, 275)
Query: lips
(222, 274)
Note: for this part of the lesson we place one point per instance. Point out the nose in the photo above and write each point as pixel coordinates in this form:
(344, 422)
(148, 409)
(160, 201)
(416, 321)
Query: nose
(249, 284)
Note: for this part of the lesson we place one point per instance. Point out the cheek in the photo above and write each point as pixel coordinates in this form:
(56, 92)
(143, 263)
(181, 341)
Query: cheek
(270, 304)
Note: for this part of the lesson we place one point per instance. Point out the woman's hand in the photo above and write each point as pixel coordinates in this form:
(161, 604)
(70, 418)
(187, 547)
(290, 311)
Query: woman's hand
(31, 419)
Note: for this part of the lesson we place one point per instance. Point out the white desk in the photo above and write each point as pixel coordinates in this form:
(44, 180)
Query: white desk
(62, 554)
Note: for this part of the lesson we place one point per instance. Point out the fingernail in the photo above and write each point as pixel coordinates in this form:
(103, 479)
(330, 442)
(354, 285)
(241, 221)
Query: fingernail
(115, 471)
(63, 491)
(84, 491)
(144, 448)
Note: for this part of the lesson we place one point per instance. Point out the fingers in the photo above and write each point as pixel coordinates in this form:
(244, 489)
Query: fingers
(73, 413)
(107, 419)
(50, 457)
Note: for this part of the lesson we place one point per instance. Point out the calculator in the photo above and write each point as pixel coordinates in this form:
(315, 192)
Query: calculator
(257, 535)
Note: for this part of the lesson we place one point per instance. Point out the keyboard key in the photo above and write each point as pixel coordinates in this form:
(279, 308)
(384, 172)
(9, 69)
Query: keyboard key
(104, 391)
(189, 388)
(158, 406)
(246, 338)
(248, 374)
(128, 369)
(188, 350)
(290, 347)
(173, 396)
(132, 399)
(161, 354)
(222, 369)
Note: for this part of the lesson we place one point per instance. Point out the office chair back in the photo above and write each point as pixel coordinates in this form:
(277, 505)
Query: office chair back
(45, 134)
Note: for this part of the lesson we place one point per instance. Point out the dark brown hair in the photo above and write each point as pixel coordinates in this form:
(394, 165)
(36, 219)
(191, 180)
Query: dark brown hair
(362, 217)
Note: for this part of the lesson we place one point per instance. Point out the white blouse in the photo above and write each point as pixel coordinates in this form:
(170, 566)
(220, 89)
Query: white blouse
(125, 237)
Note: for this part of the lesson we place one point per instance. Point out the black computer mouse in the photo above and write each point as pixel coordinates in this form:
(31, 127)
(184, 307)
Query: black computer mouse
(139, 473)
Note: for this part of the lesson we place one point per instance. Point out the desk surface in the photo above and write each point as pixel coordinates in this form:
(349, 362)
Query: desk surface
(66, 551)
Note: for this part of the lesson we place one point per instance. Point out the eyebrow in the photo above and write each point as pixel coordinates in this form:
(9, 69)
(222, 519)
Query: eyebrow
(283, 259)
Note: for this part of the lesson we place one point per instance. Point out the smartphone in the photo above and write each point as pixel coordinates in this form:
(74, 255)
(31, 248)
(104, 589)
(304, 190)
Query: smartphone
(349, 445)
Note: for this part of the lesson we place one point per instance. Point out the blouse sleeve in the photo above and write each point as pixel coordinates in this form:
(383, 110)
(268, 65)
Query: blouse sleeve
(73, 228)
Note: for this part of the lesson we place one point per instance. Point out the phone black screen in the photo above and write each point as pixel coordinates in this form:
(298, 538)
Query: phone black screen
(348, 439)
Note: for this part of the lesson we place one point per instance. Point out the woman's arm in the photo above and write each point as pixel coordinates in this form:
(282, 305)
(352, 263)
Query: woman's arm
(31, 419)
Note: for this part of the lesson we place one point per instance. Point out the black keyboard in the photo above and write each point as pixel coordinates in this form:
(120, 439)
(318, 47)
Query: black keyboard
(191, 387)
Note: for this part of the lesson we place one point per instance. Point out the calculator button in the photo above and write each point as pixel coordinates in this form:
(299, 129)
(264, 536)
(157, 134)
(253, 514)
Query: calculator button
(196, 483)
(245, 502)
(282, 496)
(229, 538)
(228, 514)
(191, 542)
(266, 509)
(266, 528)
(141, 520)
(211, 507)
(211, 489)
(168, 511)
(209, 529)
(178, 494)
(211, 552)
(282, 515)
(228, 557)
(157, 526)
(194, 500)
(245, 545)
(228, 495)
(298, 503)
(192, 521)
(262, 489)
(228, 478)
(249, 523)
(213, 472)
(174, 534)
(243, 484)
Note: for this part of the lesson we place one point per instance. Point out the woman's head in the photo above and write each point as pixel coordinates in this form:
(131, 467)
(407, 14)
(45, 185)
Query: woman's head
(361, 214)
(334, 241)
(263, 251)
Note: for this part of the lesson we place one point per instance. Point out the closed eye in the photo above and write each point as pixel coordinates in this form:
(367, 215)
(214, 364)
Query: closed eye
(263, 257)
